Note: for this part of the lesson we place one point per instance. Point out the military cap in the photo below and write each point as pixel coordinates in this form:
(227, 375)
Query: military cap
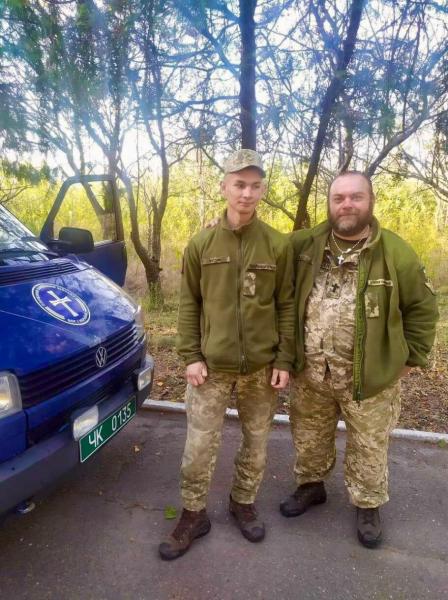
(242, 159)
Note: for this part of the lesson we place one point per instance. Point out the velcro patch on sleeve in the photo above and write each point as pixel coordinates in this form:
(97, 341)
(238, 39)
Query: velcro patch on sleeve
(428, 282)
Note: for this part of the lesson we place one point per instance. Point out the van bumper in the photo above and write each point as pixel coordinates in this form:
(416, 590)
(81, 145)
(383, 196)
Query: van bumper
(29, 473)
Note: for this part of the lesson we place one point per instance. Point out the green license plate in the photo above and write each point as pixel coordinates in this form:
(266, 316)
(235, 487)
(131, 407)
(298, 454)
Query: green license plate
(92, 441)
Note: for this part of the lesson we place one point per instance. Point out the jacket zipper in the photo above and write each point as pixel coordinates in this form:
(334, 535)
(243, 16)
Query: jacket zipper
(239, 320)
(360, 333)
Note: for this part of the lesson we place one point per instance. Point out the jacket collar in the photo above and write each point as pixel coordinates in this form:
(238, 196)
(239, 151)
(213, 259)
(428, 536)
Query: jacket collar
(320, 236)
(243, 228)
(321, 231)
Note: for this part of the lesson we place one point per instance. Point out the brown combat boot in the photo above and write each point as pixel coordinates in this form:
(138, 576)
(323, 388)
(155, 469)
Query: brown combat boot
(192, 525)
(247, 520)
(369, 526)
(306, 495)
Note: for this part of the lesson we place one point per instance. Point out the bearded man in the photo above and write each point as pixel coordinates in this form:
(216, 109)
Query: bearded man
(366, 315)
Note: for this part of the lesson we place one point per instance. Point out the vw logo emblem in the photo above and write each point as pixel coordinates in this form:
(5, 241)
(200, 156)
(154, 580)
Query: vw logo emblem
(101, 357)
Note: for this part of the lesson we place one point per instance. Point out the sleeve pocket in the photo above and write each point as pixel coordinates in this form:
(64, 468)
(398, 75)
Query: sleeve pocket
(372, 305)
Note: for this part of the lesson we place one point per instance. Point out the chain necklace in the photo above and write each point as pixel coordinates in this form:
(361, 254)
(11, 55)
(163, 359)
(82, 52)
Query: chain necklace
(341, 257)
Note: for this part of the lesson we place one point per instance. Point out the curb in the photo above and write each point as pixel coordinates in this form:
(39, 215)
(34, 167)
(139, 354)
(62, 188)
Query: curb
(404, 434)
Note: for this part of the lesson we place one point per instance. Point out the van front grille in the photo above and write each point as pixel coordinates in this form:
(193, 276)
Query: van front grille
(39, 386)
(62, 420)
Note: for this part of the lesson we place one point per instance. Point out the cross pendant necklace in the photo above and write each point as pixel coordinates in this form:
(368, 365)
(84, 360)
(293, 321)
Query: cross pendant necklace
(341, 257)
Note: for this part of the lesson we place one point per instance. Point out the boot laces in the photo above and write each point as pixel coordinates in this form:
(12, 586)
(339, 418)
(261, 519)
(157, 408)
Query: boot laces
(305, 489)
(186, 523)
(247, 511)
(368, 516)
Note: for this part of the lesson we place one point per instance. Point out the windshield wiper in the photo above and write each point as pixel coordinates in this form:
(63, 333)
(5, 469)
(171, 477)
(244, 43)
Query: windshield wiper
(26, 251)
(30, 238)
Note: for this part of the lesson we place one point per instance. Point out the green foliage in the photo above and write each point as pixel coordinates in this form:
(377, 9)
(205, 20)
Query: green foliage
(402, 206)
(26, 172)
(408, 209)
(33, 204)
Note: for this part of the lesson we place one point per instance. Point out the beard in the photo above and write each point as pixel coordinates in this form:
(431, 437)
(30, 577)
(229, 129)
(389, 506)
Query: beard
(352, 223)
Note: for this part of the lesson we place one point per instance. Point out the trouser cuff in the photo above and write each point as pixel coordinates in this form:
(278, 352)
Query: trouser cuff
(367, 503)
(242, 497)
(302, 480)
(371, 500)
(192, 505)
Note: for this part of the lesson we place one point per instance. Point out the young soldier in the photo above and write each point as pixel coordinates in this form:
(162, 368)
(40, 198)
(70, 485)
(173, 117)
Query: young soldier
(235, 330)
(366, 315)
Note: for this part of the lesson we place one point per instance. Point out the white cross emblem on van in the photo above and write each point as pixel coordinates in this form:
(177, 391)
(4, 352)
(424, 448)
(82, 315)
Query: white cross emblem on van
(64, 301)
(61, 304)
(101, 357)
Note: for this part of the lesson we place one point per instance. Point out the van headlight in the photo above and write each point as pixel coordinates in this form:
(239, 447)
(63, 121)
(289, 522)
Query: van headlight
(10, 399)
(139, 322)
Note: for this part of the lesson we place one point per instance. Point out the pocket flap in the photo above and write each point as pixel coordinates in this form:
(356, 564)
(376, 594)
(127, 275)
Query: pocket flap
(215, 260)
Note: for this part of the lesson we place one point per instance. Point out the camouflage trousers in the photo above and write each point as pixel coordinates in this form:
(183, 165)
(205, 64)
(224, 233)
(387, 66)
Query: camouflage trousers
(314, 415)
(206, 406)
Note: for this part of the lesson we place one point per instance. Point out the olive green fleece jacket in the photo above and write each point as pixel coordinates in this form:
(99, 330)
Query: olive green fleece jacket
(402, 304)
(236, 309)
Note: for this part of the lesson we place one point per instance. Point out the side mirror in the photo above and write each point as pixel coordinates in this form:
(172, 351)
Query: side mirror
(76, 240)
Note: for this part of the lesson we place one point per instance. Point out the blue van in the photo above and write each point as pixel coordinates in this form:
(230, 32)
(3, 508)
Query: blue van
(74, 366)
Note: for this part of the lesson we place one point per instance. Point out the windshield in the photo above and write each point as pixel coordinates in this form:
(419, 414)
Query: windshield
(15, 237)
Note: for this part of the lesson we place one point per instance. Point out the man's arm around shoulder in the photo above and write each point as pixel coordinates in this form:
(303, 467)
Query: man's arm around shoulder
(284, 302)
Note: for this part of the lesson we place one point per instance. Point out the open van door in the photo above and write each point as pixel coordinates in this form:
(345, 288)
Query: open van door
(86, 220)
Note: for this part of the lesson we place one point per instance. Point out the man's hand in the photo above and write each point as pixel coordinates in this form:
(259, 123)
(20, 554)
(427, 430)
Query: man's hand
(212, 223)
(196, 373)
(405, 371)
(279, 379)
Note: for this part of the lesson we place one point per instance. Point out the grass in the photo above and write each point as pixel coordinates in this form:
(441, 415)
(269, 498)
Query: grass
(161, 324)
(442, 327)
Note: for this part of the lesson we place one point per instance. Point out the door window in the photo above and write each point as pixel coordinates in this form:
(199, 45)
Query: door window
(89, 207)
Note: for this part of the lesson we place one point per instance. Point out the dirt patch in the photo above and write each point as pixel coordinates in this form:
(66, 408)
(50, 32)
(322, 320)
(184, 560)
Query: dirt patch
(425, 398)
(169, 382)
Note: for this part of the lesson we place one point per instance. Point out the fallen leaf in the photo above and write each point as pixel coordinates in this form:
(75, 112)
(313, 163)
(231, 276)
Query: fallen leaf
(170, 512)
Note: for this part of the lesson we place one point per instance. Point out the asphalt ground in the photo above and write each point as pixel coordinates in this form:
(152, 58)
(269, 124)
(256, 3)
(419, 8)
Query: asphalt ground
(96, 535)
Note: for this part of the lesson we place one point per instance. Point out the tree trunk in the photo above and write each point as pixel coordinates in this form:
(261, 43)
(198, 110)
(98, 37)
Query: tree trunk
(329, 100)
(248, 103)
(150, 265)
(151, 257)
(347, 149)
